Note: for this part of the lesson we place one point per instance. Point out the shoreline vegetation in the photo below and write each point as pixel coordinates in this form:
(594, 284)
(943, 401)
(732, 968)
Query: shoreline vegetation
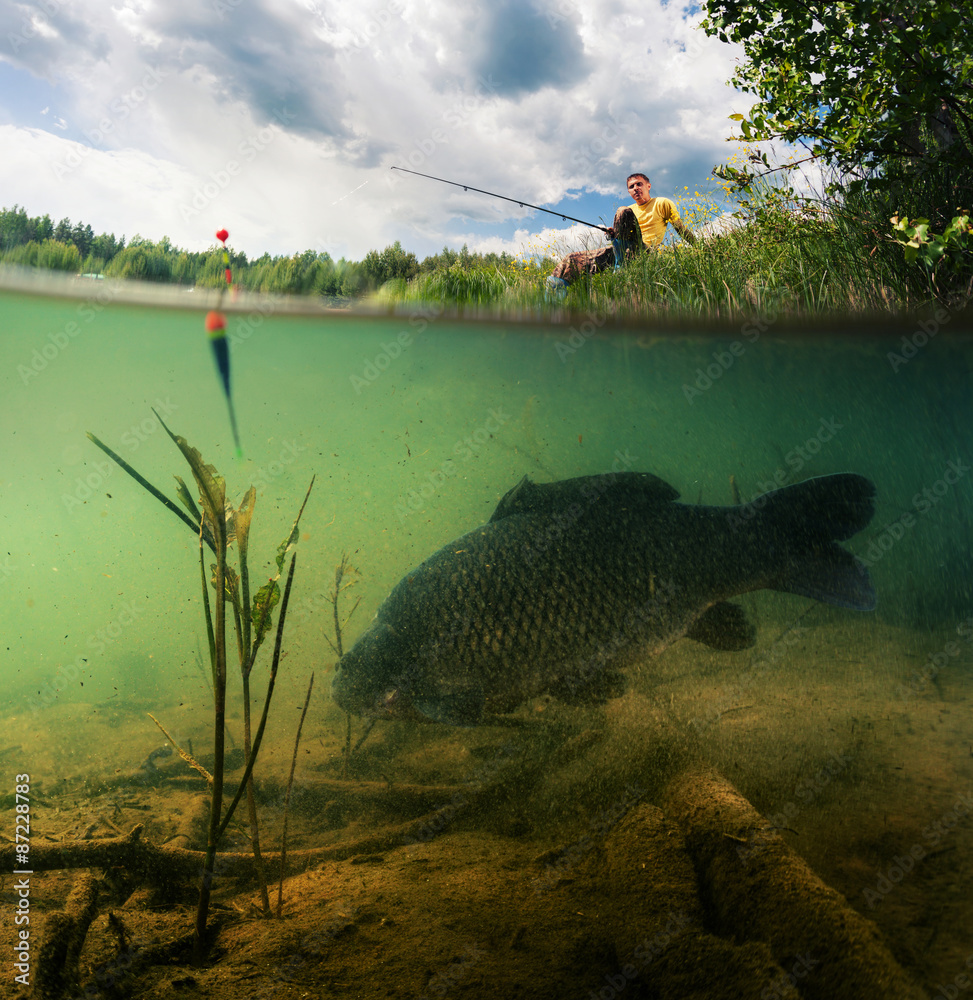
(778, 254)
(893, 240)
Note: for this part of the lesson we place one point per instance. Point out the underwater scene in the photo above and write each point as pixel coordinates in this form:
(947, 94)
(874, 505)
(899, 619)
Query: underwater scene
(554, 657)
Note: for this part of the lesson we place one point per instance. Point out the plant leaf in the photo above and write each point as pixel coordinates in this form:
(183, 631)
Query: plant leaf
(212, 487)
(261, 616)
(293, 536)
(241, 519)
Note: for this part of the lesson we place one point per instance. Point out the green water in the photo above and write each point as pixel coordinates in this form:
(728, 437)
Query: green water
(414, 426)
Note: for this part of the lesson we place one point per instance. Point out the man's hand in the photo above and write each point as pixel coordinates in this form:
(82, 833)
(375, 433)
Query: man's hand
(609, 233)
(684, 232)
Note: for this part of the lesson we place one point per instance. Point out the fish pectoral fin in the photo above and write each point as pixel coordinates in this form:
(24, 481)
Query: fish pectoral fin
(459, 708)
(724, 626)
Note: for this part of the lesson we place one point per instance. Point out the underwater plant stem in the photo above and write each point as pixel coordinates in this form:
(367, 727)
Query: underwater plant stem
(238, 630)
(258, 863)
(219, 737)
(287, 800)
(208, 615)
(369, 726)
(338, 574)
(270, 691)
(344, 773)
(245, 587)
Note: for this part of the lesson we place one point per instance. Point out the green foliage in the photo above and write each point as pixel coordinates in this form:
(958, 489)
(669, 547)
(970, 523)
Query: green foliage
(951, 250)
(466, 260)
(784, 255)
(392, 262)
(49, 254)
(858, 84)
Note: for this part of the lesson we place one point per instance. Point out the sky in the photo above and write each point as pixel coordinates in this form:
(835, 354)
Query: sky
(279, 120)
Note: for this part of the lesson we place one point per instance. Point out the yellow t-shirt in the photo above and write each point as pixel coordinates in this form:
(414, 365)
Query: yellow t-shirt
(653, 217)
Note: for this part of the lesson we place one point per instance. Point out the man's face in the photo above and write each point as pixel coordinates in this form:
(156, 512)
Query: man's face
(638, 188)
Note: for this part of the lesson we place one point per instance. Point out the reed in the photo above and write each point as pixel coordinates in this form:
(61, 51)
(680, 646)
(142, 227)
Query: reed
(219, 527)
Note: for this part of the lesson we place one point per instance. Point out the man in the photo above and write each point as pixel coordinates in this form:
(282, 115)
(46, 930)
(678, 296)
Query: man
(636, 228)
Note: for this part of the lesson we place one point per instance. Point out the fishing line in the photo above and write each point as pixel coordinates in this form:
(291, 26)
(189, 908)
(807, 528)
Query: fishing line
(516, 201)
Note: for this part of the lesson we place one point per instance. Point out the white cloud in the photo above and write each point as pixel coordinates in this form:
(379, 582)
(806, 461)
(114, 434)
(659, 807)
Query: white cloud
(279, 119)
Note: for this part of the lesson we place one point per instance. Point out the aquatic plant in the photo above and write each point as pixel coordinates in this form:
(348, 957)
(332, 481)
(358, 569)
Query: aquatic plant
(219, 525)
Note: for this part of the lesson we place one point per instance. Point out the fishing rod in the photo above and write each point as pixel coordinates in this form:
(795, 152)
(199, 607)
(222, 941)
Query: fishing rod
(516, 201)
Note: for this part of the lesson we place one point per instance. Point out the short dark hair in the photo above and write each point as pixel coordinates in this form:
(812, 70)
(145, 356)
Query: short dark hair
(645, 177)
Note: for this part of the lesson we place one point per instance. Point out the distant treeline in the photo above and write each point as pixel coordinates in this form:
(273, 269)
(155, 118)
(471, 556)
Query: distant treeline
(39, 242)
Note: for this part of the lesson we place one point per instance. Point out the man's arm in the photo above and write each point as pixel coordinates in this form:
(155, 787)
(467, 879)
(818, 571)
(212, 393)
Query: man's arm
(684, 231)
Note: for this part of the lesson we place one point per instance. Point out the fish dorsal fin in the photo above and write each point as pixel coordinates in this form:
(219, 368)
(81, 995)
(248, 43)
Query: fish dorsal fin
(528, 497)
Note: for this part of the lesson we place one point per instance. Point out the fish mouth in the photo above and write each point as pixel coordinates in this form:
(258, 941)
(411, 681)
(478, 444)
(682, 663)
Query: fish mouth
(391, 703)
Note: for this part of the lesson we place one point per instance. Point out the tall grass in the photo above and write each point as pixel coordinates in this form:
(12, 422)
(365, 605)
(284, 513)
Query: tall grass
(783, 255)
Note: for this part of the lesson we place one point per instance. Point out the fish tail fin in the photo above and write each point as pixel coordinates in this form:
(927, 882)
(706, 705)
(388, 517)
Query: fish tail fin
(806, 521)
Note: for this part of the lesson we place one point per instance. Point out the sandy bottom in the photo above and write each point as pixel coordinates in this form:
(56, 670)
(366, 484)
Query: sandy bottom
(837, 732)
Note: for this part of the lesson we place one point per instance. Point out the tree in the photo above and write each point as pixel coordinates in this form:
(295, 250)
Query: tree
(105, 246)
(859, 85)
(392, 262)
(13, 227)
(82, 237)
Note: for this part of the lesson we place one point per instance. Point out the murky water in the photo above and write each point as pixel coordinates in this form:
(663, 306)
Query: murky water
(848, 731)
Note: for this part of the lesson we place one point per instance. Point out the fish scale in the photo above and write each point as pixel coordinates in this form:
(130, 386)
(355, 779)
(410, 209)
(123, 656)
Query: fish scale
(569, 582)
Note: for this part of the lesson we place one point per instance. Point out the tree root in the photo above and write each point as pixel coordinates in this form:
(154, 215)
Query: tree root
(757, 883)
(56, 971)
